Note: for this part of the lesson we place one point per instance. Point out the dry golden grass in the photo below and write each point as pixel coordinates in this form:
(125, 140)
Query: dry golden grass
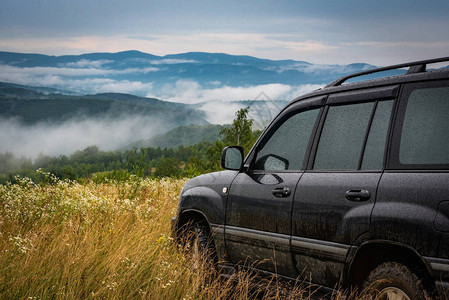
(66, 240)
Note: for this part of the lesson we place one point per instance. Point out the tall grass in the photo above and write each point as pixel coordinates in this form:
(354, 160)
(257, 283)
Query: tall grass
(110, 240)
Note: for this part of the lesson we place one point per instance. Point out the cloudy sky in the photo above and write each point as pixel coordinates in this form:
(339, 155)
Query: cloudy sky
(378, 32)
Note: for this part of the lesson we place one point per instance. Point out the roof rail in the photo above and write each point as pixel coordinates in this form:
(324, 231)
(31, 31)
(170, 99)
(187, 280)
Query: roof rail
(414, 67)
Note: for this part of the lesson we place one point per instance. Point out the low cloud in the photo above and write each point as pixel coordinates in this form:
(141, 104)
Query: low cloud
(42, 71)
(7, 71)
(66, 138)
(220, 112)
(338, 70)
(220, 104)
(86, 86)
(84, 63)
(183, 90)
(112, 133)
(190, 91)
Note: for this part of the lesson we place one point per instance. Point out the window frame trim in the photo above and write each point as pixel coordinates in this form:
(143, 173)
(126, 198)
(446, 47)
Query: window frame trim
(367, 133)
(281, 118)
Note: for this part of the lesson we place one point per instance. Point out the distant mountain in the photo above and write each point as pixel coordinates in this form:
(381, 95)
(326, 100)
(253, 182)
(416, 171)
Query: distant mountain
(31, 107)
(113, 120)
(28, 60)
(142, 74)
(39, 89)
(58, 104)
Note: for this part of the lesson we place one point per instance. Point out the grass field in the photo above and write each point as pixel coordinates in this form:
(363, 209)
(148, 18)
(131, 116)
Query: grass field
(110, 240)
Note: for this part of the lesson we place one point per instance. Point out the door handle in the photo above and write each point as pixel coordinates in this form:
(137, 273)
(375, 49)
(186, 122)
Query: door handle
(282, 192)
(358, 195)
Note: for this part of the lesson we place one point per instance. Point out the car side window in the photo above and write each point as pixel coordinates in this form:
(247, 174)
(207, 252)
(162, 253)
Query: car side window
(285, 149)
(351, 131)
(425, 129)
(343, 136)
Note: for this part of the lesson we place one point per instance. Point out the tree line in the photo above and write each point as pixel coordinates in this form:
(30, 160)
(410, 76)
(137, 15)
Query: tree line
(92, 163)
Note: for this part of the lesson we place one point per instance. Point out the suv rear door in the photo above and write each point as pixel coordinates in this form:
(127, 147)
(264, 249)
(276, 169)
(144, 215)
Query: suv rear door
(335, 196)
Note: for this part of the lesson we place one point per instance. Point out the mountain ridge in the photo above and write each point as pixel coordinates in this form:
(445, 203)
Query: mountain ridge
(143, 74)
(57, 104)
(33, 107)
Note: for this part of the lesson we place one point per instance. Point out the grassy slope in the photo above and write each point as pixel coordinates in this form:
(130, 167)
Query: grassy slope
(65, 240)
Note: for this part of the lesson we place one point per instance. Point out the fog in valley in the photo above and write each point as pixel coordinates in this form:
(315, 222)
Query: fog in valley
(197, 88)
(114, 133)
(67, 137)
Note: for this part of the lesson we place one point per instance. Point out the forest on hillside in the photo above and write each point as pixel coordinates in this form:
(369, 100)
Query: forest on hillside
(92, 163)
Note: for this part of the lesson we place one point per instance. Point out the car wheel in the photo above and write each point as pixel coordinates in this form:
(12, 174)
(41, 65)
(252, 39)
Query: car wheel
(394, 281)
(201, 244)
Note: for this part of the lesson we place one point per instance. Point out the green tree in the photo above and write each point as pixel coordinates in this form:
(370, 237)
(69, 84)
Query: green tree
(168, 167)
(240, 132)
(194, 167)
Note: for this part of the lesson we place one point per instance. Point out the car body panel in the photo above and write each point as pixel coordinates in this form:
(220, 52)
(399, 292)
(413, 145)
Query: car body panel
(206, 195)
(407, 215)
(321, 213)
(260, 221)
(316, 232)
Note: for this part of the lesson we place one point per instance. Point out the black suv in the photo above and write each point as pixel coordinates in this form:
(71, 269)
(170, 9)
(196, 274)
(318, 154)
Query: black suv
(348, 187)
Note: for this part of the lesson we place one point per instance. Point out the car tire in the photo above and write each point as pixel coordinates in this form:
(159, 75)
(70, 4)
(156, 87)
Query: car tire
(392, 280)
(201, 243)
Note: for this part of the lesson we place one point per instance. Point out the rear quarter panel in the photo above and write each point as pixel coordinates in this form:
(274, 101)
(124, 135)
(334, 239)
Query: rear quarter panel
(407, 211)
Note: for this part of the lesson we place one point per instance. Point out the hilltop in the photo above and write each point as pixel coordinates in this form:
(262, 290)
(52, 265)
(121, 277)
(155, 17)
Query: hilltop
(166, 76)
(32, 106)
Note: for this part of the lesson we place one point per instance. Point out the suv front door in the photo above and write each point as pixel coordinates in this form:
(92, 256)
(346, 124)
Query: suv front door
(259, 206)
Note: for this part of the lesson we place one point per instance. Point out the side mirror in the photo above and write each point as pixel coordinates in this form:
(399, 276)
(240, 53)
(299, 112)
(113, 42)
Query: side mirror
(232, 158)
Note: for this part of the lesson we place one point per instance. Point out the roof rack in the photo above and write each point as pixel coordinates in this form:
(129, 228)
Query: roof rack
(414, 67)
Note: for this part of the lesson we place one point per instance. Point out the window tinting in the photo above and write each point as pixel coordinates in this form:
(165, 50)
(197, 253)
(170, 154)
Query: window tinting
(425, 131)
(375, 146)
(342, 137)
(286, 148)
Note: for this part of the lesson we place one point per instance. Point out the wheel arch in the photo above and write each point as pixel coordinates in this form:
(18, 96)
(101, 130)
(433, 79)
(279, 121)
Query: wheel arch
(371, 254)
(191, 215)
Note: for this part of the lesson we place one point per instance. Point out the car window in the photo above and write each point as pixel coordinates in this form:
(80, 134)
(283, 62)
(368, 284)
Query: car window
(425, 129)
(377, 139)
(343, 137)
(286, 147)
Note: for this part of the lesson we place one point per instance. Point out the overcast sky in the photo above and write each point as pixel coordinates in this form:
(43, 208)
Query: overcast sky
(323, 32)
